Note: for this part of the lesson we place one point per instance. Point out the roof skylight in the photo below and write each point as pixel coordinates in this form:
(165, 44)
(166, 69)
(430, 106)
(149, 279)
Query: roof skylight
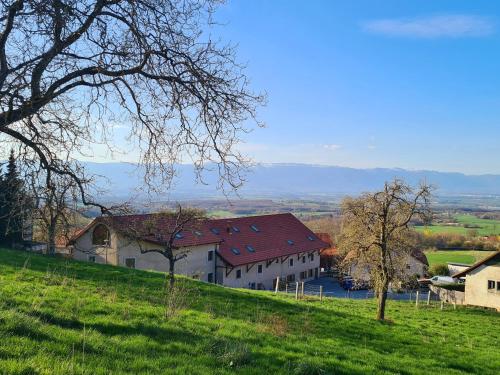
(311, 238)
(235, 251)
(250, 248)
(290, 242)
(254, 228)
(215, 231)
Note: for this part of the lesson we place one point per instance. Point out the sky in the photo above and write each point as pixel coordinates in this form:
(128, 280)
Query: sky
(407, 84)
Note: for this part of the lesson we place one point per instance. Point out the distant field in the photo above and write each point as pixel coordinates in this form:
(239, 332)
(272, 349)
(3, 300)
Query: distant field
(458, 256)
(484, 227)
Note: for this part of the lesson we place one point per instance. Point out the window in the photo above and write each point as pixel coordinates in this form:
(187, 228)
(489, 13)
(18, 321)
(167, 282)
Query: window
(310, 238)
(498, 286)
(100, 235)
(259, 269)
(250, 249)
(290, 262)
(408, 267)
(312, 257)
(491, 284)
(215, 231)
(210, 277)
(210, 255)
(236, 230)
(130, 262)
(92, 258)
(290, 242)
(290, 278)
(235, 251)
(238, 274)
(254, 228)
(311, 273)
(303, 259)
(303, 275)
(198, 233)
(179, 235)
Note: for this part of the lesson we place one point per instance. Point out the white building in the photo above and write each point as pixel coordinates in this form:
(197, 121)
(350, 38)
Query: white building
(246, 252)
(482, 282)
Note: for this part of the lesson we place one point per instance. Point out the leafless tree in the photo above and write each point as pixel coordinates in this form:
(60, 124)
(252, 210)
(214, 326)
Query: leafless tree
(71, 71)
(167, 228)
(376, 235)
(55, 210)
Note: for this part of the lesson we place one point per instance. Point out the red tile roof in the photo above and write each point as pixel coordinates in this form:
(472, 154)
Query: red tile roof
(150, 227)
(332, 249)
(271, 240)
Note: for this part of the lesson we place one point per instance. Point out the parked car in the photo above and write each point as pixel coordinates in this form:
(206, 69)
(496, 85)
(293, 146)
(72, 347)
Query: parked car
(439, 280)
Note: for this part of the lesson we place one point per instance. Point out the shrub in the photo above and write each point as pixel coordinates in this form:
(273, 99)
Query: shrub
(439, 269)
(231, 353)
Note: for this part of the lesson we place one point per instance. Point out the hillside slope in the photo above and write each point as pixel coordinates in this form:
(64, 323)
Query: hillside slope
(64, 317)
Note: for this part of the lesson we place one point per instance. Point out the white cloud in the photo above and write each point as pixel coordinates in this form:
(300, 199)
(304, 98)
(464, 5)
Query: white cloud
(332, 147)
(454, 25)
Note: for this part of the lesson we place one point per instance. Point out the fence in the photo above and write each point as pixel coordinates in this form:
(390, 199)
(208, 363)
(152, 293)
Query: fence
(301, 289)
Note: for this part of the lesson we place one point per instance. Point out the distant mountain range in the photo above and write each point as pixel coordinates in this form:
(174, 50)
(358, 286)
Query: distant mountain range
(292, 181)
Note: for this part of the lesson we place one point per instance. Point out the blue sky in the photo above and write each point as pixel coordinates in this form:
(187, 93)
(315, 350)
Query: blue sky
(410, 84)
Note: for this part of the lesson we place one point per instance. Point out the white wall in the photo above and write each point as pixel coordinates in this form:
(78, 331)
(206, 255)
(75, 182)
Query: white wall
(269, 274)
(476, 286)
(196, 263)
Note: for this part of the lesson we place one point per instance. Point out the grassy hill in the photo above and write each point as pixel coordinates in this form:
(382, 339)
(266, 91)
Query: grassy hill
(64, 317)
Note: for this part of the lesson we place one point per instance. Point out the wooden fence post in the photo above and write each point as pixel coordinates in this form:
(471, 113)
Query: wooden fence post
(442, 304)
(296, 290)
(286, 287)
(416, 299)
(277, 285)
(302, 290)
(429, 298)
(321, 292)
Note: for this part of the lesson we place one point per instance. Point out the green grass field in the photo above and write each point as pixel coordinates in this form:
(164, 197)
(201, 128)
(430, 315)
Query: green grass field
(485, 227)
(457, 256)
(65, 317)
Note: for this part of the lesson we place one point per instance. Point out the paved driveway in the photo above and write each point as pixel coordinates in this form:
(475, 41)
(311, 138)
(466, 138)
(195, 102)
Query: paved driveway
(332, 288)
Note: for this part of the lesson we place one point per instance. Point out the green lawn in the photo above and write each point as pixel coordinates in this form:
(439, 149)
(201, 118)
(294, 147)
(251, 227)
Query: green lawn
(457, 256)
(485, 227)
(64, 317)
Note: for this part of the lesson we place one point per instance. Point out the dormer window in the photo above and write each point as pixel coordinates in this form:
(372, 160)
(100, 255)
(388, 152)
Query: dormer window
(235, 251)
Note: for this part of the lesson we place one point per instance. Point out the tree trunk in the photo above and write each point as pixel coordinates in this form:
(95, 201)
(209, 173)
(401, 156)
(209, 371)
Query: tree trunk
(51, 245)
(171, 272)
(382, 298)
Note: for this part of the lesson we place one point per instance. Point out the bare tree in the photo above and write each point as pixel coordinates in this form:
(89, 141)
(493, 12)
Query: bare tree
(55, 210)
(71, 70)
(376, 232)
(168, 229)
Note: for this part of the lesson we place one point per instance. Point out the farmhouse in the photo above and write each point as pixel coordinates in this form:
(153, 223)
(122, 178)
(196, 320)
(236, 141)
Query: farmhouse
(482, 282)
(245, 252)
